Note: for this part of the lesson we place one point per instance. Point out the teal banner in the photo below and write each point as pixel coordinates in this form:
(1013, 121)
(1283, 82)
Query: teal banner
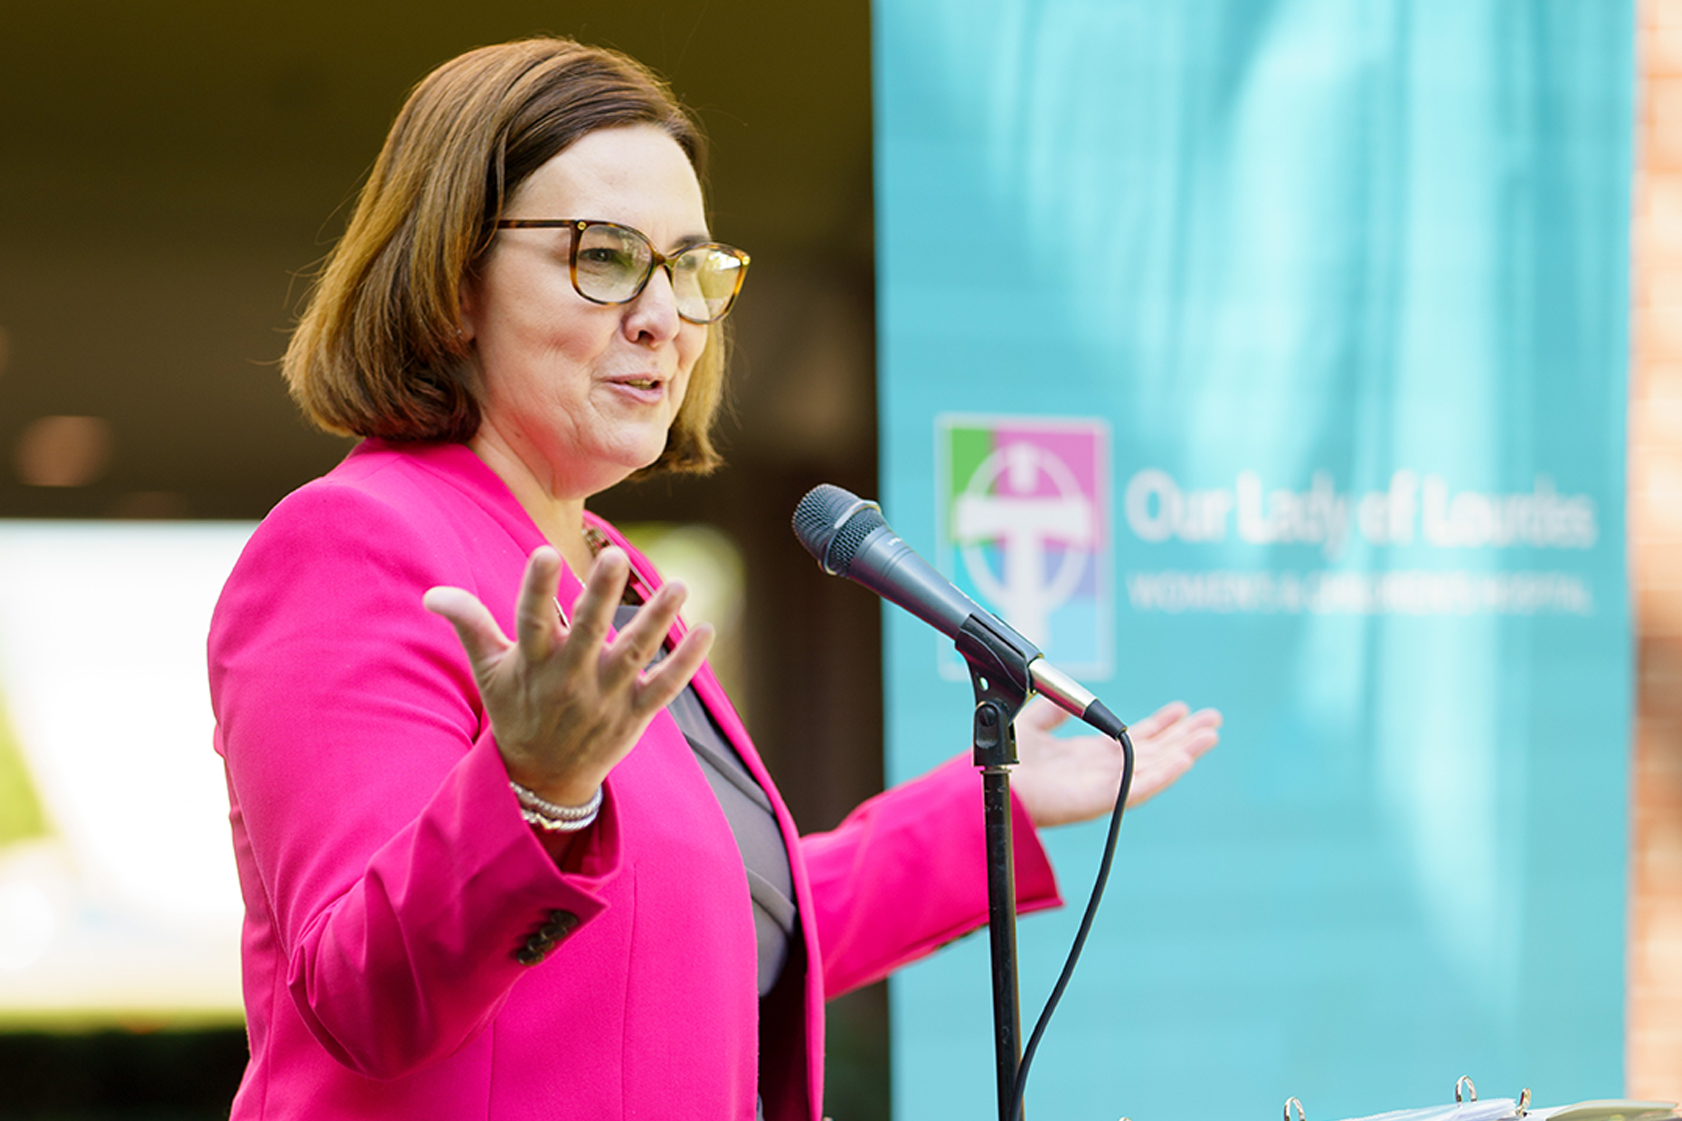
(1270, 354)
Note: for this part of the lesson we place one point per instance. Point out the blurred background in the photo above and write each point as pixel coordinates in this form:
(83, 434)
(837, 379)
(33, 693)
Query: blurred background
(169, 175)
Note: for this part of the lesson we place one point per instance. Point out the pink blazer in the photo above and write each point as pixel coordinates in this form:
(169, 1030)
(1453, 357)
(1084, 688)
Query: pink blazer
(411, 950)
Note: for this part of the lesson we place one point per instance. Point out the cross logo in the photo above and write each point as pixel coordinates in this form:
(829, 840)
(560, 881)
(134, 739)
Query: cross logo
(1023, 529)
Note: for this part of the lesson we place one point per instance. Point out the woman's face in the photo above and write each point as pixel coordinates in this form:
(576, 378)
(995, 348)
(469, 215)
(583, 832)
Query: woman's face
(582, 393)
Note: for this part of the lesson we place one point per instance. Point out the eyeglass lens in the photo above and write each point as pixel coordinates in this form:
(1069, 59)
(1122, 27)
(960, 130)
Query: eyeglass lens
(614, 262)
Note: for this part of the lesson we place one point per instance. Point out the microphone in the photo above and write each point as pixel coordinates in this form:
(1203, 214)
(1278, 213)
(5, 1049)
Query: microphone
(850, 538)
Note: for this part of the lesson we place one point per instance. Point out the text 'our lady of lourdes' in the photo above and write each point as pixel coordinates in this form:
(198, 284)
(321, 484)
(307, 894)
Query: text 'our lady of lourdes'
(1410, 510)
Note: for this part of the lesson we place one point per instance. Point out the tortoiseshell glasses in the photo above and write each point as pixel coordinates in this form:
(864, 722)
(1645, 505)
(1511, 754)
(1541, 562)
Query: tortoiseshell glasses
(611, 264)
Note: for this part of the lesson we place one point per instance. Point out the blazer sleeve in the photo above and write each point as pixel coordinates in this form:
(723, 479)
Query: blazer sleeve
(397, 873)
(906, 873)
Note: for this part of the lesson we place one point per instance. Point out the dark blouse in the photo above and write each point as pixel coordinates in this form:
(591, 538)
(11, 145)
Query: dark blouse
(746, 807)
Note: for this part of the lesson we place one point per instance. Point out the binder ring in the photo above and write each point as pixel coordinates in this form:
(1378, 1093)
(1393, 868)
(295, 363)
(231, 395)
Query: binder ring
(1471, 1090)
(1289, 1103)
(1524, 1102)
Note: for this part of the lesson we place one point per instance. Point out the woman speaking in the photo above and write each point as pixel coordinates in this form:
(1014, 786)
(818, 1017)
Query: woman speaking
(506, 849)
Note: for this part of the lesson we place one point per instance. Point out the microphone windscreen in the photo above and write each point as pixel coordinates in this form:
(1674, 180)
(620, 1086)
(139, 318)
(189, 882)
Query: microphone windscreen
(832, 522)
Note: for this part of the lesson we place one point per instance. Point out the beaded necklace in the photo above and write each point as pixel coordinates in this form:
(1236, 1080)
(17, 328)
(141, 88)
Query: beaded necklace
(596, 540)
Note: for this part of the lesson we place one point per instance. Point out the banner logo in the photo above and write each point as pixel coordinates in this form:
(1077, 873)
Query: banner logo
(1022, 516)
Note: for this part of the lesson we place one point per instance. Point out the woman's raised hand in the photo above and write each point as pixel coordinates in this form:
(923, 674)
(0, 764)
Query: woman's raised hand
(1064, 780)
(565, 703)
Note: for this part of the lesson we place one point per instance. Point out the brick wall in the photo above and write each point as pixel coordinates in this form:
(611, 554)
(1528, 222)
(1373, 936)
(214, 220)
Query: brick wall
(1654, 1057)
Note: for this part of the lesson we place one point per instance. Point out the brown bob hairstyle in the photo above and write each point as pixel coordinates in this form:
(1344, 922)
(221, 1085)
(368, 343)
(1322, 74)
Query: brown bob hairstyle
(378, 350)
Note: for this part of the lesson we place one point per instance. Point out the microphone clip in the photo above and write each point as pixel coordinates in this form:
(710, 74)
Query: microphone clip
(998, 661)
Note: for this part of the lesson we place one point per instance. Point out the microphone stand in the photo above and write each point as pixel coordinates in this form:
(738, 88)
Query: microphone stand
(998, 667)
(839, 529)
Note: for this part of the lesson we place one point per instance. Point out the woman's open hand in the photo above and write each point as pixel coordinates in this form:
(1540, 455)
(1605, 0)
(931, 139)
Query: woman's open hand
(565, 703)
(1064, 780)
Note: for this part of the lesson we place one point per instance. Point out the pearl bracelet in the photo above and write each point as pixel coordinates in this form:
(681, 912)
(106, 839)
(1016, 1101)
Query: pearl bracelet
(552, 816)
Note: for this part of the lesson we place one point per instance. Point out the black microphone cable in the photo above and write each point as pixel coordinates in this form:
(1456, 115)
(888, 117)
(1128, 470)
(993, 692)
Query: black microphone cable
(1085, 925)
